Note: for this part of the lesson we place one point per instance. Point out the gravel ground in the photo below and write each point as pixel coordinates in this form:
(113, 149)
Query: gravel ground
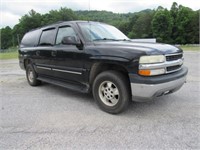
(51, 117)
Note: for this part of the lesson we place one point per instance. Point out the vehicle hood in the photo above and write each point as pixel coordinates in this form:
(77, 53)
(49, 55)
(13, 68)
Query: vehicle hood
(130, 49)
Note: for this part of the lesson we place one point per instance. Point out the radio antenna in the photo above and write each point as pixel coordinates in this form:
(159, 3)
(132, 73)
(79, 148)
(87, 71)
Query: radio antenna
(89, 5)
(89, 19)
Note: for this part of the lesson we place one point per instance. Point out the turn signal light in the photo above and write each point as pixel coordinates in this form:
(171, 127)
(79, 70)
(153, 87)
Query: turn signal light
(145, 72)
(152, 72)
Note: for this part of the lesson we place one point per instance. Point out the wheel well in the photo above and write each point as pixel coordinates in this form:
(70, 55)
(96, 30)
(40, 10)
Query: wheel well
(100, 67)
(26, 62)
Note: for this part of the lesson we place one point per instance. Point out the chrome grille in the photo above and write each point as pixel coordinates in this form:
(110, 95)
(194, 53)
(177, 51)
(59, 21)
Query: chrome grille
(171, 58)
(172, 68)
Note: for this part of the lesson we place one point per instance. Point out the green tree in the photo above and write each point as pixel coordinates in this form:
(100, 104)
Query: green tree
(17, 33)
(124, 27)
(187, 25)
(173, 12)
(26, 23)
(195, 30)
(64, 14)
(6, 37)
(104, 16)
(30, 21)
(142, 26)
(180, 25)
(162, 26)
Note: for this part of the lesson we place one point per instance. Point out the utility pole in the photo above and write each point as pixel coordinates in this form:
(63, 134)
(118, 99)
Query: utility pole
(18, 38)
(13, 41)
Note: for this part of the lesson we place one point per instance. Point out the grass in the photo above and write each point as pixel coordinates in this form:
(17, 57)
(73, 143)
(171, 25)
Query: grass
(190, 48)
(9, 55)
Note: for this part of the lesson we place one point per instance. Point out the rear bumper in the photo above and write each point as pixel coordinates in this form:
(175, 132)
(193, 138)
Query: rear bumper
(151, 87)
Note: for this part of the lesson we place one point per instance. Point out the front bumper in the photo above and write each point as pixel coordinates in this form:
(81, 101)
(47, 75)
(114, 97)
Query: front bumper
(148, 88)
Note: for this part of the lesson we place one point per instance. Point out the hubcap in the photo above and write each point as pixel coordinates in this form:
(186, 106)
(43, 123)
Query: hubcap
(30, 76)
(109, 93)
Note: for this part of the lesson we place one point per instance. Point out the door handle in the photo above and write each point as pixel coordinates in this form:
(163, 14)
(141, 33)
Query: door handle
(53, 53)
(37, 53)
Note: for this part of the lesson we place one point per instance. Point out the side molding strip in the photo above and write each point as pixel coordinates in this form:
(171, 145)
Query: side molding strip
(73, 72)
(43, 68)
(66, 71)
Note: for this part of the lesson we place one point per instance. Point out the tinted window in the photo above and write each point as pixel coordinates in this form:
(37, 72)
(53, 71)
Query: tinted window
(63, 32)
(47, 37)
(31, 38)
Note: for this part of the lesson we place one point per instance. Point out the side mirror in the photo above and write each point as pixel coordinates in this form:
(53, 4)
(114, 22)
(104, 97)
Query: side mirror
(70, 40)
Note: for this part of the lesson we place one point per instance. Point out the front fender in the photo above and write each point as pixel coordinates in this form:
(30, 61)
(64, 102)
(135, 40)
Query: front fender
(109, 58)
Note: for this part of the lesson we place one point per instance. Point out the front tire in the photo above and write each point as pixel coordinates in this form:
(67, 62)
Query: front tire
(111, 91)
(32, 76)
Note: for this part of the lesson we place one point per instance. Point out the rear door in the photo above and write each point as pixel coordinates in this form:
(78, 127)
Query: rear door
(43, 52)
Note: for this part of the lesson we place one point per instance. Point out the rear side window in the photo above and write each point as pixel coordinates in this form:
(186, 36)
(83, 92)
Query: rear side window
(47, 37)
(31, 39)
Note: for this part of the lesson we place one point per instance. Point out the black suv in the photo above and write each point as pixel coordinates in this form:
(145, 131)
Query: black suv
(98, 58)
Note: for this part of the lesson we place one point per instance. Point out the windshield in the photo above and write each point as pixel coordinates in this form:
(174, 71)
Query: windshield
(99, 31)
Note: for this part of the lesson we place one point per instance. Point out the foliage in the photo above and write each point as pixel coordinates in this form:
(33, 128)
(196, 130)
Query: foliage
(140, 24)
(6, 37)
(188, 26)
(162, 25)
(103, 16)
(179, 25)
(53, 16)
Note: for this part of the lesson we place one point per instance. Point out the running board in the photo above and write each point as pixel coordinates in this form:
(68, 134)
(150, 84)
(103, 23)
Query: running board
(70, 86)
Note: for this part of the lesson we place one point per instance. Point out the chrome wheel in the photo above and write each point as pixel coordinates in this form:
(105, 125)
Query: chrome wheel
(109, 93)
(30, 76)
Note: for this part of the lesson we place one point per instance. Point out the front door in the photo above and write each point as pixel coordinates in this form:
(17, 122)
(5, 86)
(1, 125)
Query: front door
(68, 61)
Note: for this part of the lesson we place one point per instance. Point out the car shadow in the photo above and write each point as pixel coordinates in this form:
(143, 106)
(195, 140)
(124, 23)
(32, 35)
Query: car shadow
(134, 108)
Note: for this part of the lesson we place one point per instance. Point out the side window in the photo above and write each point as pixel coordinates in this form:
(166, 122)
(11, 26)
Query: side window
(47, 37)
(63, 32)
(31, 38)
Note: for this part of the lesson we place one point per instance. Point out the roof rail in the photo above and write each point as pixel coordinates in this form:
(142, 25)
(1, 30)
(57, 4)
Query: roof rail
(58, 22)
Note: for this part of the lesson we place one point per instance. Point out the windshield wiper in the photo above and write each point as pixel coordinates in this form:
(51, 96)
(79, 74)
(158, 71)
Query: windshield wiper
(123, 39)
(105, 39)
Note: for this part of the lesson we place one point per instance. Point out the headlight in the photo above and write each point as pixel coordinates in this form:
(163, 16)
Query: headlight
(150, 62)
(152, 59)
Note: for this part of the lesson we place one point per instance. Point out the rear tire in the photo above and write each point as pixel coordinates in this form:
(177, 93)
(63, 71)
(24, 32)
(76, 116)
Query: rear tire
(31, 76)
(111, 90)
